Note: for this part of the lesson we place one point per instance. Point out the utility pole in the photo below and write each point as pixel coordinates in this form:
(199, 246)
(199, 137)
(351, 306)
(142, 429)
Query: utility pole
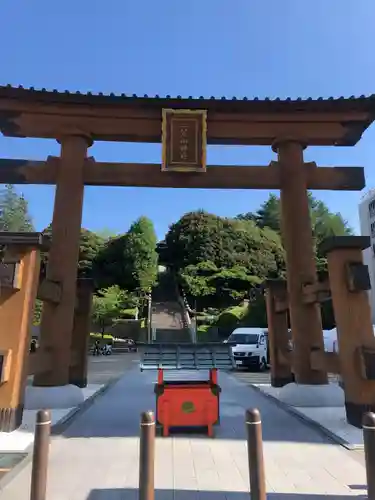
(149, 319)
(195, 321)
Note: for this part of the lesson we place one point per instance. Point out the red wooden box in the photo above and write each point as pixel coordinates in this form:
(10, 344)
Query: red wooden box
(187, 403)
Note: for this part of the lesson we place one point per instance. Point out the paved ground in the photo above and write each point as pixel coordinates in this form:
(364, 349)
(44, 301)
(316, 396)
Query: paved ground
(97, 457)
(255, 378)
(102, 369)
(252, 377)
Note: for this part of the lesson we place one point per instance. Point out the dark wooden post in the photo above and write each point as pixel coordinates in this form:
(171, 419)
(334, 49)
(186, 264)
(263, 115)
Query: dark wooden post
(57, 319)
(349, 284)
(38, 487)
(81, 333)
(368, 425)
(255, 455)
(278, 335)
(300, 261)
(19, 276)
(146, 490)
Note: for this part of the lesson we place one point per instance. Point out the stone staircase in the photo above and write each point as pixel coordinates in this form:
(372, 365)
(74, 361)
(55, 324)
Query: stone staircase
(167, 314)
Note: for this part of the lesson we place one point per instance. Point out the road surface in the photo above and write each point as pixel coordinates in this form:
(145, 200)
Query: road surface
(102, 369)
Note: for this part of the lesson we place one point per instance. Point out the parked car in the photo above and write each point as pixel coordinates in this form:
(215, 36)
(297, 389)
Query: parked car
(250, 348)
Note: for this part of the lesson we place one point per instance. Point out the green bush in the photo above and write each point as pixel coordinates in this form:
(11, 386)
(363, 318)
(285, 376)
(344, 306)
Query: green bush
(203, 330)
(106, 336)
(231, 317)
(255, 314)
(206, 319)
(128, 313)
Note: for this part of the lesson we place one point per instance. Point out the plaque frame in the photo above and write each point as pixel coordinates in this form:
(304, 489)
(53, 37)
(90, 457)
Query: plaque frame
(166, 142)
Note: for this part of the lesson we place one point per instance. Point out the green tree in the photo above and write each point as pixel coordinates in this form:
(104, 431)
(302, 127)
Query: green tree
(130, 260)
(89, 246)
(140, 255)
(108, 265)
(268, 214)
(221, 287)
(218, 260)
(14, 211)
(324, 222)
(109, 305)
(38, 308)
(106, 234)
(201, 237)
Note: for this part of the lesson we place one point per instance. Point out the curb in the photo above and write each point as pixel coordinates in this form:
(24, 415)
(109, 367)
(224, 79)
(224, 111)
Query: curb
(309, 421)
(57, 430)
(64, 423)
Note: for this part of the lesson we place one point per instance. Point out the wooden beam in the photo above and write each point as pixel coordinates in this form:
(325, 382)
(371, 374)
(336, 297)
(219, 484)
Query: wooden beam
(224, 130)
(316, 292)
(150, 175)
(28, 171)
(327, 361)
(45, 114)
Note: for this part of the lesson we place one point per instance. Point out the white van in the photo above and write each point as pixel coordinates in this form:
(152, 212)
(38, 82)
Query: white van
(330, 340)
(250, 349)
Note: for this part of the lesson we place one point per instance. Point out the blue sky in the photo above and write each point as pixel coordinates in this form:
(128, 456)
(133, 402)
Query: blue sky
(296, 48)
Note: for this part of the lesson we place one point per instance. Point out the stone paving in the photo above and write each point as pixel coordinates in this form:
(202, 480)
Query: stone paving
(97, 457)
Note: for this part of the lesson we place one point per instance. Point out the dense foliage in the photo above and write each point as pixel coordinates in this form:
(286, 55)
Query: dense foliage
(111, 304)
(127, 263)
(123, 269)
(14, 211)
(324, 223)
(218, 261)
(130, 260)
(89, 246)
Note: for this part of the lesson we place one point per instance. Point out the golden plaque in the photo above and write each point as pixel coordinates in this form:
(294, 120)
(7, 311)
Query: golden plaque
(184, 140)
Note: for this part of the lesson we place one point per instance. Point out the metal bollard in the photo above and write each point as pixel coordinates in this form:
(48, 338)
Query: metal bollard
(255, 455)
(147, 456)
(40, 455)
(368, 426)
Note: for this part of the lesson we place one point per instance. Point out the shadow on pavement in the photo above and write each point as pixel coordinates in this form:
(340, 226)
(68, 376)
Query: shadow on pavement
(132, 494)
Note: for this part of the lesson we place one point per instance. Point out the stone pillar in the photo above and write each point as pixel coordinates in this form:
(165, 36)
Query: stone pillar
(81, 334)
(19, 279)
(300, 261)
(349, 284)
(57, 319)
(278, 335)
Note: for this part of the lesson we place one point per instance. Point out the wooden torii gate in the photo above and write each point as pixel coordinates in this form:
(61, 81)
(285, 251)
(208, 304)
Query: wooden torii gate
(185, 127)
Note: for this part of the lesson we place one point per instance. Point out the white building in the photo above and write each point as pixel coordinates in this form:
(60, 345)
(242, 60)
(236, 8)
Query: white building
(367, 224)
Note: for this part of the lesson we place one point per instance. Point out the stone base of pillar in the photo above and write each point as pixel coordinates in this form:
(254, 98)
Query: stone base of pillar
(79, 382)
(281, 381)
(10, 418)
(312, 396)
(355, 411)
(53, 398)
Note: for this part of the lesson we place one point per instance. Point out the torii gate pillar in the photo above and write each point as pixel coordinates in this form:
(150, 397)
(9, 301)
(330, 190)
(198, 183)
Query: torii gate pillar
(297, 237)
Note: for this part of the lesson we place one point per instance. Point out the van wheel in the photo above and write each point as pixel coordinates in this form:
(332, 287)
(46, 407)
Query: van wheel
(262, 365)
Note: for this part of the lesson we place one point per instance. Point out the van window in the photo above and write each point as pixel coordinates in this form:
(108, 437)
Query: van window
(240, 338)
